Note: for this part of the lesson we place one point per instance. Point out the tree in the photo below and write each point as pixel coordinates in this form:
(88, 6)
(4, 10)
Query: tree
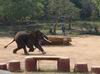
(62, 8)
(77, 3)
(59, 8)
(45, 3)
(88, 9)
(97, 5)
(16, 10)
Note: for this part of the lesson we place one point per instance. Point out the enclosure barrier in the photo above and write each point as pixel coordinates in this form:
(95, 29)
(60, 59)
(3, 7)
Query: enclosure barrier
(30, 64)
(14, 66)
(63, 64)
(3, 66)
(95, 69)
(81, 67)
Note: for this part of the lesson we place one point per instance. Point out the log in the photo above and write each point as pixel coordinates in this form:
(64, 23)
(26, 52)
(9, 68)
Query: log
(58, 40)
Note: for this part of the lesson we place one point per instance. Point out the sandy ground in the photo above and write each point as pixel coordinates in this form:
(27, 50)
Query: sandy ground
(83, 49)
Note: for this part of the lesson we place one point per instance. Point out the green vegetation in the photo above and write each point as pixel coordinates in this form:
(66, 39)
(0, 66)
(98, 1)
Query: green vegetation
(78, 16)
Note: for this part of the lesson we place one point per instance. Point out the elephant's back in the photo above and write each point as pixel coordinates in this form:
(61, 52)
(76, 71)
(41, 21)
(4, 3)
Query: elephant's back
(21, 35)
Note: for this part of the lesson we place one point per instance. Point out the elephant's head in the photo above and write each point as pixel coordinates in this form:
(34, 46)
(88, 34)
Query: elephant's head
(40, 36)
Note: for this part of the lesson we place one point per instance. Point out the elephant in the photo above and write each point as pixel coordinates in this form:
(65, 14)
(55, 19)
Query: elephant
(24, 39)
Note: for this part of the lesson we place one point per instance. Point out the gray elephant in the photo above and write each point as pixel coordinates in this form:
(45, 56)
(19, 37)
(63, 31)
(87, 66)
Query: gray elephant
(24, 39)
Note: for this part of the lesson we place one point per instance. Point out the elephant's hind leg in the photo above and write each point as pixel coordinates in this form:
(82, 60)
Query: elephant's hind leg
(15, 50)
(31, 48)
(25, 51)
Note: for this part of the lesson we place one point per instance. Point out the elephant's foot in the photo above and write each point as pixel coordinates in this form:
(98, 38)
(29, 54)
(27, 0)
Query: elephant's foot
(43, 52)
(26, 53)
(30, 50)
(14, 52)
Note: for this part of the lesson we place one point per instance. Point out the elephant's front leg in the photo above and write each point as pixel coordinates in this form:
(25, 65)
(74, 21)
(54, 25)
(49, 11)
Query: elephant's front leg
(31, 49)
(37, 45)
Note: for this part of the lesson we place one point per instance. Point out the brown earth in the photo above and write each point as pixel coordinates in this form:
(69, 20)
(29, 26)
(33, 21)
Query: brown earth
(83, 49)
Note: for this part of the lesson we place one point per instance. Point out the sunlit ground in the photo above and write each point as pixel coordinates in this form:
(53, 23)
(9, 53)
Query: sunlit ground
(83, 49)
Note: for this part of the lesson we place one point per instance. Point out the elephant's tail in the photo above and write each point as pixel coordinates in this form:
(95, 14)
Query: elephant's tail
(9, 43)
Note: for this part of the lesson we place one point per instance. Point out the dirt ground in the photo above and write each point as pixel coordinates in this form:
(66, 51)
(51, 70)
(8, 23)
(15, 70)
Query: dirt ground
(83, 49)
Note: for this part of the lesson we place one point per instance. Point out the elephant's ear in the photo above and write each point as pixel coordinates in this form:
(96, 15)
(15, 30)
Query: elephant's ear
(39, 35)
(32, 35)
(35, 34)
